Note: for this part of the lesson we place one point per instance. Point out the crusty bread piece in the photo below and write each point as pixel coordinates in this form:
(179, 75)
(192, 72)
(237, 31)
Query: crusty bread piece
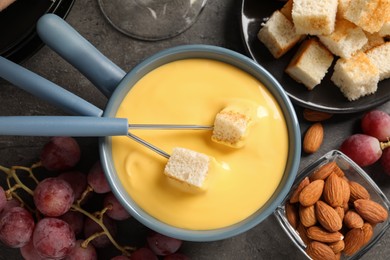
(230, 127)
(370, 15)
(345, 40)
(286, 10)
(278, 34)
(5, 3)
(385, 29)
(374, 39)
(314, 17)
(188, 166)
(380, 57)
(342, 7)
(310, 64)
(356, 77)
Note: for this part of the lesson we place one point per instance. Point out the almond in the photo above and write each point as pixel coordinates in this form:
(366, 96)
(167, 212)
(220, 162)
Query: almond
(338, 171)
(319, 234)
(368, 232)
(370, 211)
(346, 190)
(333, 191)
(311, 193)
(317, 250)
(315, 116)
(323, 172)
(340, 211)
(353, 220)
(358, 191)
(302, 233)
(307, 215)
(328, 217)
(337, 246)
(313, 138)
(295, 196)
(292, 214)
(354, 240)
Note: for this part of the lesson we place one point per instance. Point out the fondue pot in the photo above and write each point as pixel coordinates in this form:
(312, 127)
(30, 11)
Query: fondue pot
(115, 84)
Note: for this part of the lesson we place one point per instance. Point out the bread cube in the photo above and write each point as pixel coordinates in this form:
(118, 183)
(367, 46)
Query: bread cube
(370, 15)
(373, 40)
(380, 57)
(385, 29)
(310, 64)
(345, 40)
(356, 77)
(286, 10)
(230, 127)
(278, 34)
(341, 8)
(187, 166)
(314, 17)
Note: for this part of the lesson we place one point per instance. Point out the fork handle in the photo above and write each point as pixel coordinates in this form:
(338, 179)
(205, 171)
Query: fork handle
(62, 126)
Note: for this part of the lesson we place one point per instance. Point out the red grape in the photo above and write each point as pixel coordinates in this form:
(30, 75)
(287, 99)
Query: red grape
(11, 204)
(16, 227)
(385, 160)
(163, 245)
(364, 150)
(91, 227)
(143, 253)
(75, 220)
(3, 199)
(117, 211)
(53, 197)
(97, 180)
(29, 252)
(176, 256)
(80, 253)
(53, 238)
(377, 124)
(77, 180)
(60, 153)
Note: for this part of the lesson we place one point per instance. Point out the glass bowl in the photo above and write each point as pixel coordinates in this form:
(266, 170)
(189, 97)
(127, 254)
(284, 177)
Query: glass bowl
(354, 173)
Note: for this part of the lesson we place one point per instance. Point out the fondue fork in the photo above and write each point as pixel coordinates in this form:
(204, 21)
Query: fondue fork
(78, 126)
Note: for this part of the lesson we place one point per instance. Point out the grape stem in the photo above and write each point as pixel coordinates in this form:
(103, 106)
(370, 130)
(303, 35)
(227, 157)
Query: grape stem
(385, 145)
(99, 220)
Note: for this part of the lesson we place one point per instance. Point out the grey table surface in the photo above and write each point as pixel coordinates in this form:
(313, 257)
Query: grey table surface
(219, 24)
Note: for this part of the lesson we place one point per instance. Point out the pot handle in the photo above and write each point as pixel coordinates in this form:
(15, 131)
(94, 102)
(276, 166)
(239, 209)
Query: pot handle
(46, 90)
(70, 45)
(62, 126)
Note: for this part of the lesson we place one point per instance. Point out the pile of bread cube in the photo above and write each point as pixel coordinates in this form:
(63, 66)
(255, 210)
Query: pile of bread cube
(353, 33)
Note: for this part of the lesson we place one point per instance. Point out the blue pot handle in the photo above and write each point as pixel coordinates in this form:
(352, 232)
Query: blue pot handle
(46, 90)
(70, 45)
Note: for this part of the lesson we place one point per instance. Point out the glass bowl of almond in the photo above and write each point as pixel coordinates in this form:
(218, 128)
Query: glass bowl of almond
(334, 209)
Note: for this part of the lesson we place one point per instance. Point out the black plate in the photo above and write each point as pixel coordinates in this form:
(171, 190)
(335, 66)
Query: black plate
(18, 38)
(326, 96)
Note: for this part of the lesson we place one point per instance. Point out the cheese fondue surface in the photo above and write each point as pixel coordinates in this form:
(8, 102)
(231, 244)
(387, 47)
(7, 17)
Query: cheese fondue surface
(240, 180)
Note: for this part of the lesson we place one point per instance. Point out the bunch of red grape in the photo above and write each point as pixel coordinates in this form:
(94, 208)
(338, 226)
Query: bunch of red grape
(55, 225)
(372, 145)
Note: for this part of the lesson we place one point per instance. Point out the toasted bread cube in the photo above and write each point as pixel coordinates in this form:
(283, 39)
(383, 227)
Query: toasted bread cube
(370, 15)
(341, 8)
(373, 40)
(314, 17)
(310, 64)
(230, 127)
(286, 10)
(385, 29)
(345, 40)
(380, 57)
(278, 34)
(188, 166)
(356, 77)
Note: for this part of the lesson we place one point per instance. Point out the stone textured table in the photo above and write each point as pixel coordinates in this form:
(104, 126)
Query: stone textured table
(218, 24)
